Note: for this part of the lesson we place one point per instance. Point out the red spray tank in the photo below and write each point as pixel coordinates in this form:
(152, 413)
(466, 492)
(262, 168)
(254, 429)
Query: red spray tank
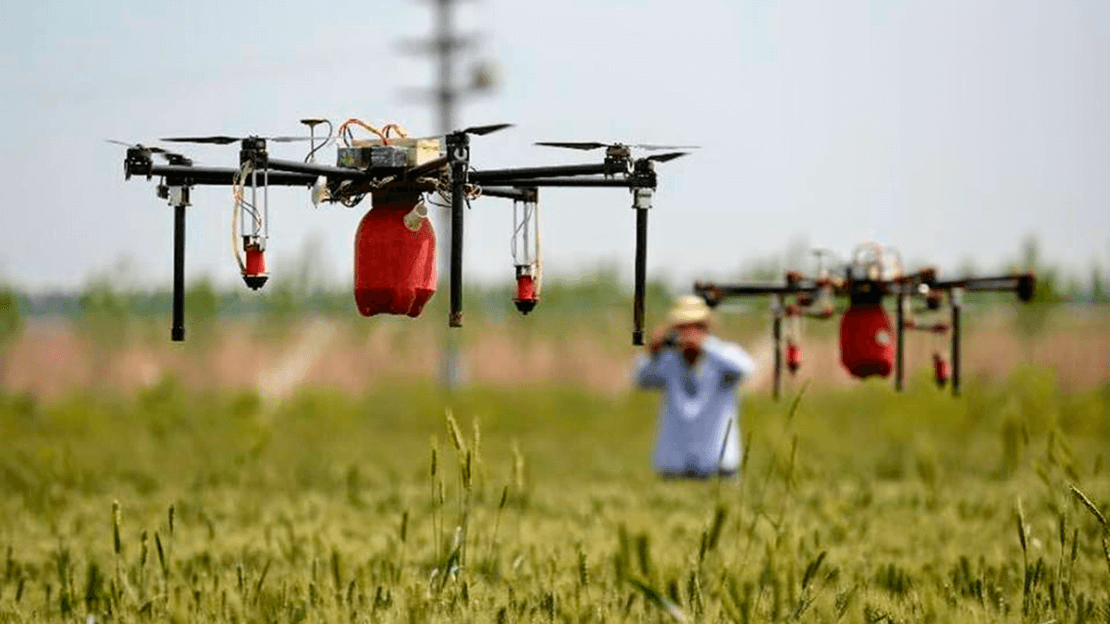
(395, 257)
(940, 370)
(867, 345)
(526, 295)
(794, 357)
(254, 269)
(794, 313)
(525, 247)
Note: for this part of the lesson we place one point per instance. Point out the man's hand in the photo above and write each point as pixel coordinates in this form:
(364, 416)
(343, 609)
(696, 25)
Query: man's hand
(689, 337)
(658, 337)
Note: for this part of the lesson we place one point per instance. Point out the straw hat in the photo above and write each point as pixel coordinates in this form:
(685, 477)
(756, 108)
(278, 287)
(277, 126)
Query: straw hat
(688, 309)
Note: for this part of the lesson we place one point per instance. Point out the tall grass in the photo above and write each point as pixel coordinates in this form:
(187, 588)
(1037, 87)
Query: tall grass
(178, 505)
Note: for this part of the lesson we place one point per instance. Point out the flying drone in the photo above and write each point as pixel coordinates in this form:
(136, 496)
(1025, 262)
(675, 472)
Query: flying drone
(870, 344)
(395, 267)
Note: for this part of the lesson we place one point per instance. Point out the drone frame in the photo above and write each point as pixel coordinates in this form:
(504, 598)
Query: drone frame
(871, 290)
(618, 170)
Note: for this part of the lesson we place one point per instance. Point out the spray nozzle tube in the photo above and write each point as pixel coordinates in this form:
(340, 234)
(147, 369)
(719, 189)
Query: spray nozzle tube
(415, 218)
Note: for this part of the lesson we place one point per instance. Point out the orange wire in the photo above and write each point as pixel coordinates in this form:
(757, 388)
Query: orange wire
(393, 126)
(359, 122)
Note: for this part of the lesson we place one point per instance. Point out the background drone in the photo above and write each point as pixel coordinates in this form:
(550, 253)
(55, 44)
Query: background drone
(871, 345)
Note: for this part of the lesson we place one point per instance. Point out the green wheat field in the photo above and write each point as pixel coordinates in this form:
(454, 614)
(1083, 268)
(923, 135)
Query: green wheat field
(537, 503)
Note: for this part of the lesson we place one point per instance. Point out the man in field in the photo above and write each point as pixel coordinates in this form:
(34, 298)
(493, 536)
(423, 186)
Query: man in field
(698, 374)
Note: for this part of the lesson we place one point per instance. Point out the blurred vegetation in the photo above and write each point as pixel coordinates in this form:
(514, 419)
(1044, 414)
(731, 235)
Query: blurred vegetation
(112, 309)
(858, 506)
(104, 314)
(538, 504)
(11, 317)
(1099, 292)
(202, 311)
(304, 287)
(1032, 319)
(11, 324)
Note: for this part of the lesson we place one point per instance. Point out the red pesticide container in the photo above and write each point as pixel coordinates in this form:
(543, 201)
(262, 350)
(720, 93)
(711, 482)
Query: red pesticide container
(254, 269)
(395, 265)
(940, 370)
(794, 357)
(867, 341)
(526, 297)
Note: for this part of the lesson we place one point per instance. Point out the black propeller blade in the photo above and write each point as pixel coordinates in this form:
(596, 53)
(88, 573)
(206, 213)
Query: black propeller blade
(221, 139)
(650, 146)
(666, 157)
(475, 130)
(489, 129)
(581, 145)
(172, 157)
(152, 148)
(589, 145)
(216, 140)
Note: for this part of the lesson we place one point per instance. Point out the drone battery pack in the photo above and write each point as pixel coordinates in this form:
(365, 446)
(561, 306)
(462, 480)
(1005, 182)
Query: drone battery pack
(417, 150)
(395, 265)
(379, 158)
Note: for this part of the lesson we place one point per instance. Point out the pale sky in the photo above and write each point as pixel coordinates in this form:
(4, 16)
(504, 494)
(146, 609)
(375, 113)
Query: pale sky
(950, 129)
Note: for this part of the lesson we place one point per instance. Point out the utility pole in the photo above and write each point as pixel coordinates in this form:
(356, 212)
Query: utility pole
(445, 44)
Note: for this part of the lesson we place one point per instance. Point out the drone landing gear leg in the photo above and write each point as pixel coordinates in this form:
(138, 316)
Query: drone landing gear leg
(641, 203)
(458, 153)
(900, 353)
(641, 275)
(179, 197)
(955, 298)
(776, 337)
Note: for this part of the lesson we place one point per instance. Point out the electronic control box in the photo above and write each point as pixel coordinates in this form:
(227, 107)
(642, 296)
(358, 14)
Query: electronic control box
(414, 151)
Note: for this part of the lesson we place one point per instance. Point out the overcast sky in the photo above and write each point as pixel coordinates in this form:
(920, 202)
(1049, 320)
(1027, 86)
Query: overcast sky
(951, 129)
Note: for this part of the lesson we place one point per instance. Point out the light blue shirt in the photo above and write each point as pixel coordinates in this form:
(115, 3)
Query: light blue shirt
(697, 406)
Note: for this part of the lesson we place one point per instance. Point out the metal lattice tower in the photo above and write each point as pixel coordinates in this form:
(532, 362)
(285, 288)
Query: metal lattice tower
(446, 45)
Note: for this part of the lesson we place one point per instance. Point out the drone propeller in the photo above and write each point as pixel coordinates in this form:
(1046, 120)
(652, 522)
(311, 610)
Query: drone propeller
(150, 148)
(487, 129)
(220, 139)
(666, 157)
(475, 130)
(590, 145)
(652, 146)
(579, 145)
(172, 157)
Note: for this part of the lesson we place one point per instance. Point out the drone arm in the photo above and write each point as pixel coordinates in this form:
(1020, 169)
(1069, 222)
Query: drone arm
(714, 293)
(745, 290)
(510, 192)
(219, 176)
(426, 168)
(571, 182)
(1023, 284)
(332, 173)
(523, 173)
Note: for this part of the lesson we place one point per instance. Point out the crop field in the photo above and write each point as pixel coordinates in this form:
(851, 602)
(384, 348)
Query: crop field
(537, 503)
